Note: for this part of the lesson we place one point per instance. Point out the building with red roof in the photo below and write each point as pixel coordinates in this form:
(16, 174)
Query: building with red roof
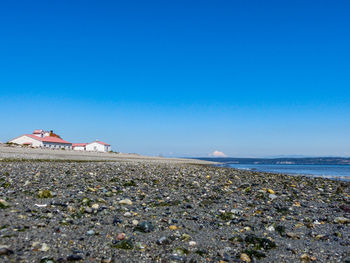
(79, 146)
(40, 138)
(98, 146)
(45, 139)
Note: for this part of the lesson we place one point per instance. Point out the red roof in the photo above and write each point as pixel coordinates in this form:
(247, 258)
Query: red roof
(47, 139)
(79, 144)
(37, 131)
(103, 143)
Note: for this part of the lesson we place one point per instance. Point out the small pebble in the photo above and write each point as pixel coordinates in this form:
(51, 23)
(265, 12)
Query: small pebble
(44, 247)
(5, 251)
(125, 202)
(341, 220)
(192, 243)
(74, 258)
(90, 232)
(121, 236)
(95, 206)
(127, 214)
(245, 258)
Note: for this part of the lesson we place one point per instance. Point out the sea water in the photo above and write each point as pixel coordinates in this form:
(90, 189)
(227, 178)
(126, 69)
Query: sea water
(339, 172)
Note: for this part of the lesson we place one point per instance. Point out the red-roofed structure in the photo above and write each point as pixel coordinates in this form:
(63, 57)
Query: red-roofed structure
(98, 146)
(103, 143)
(38, 131)
(79, 144)
(41, 138)
(38, 139)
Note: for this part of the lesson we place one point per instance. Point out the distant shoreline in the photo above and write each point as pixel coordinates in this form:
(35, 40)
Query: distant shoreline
(284, 161)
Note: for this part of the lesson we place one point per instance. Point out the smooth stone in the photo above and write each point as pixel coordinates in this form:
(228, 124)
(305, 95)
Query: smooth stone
(145, 227)
(121, 236)
(272, 196)
(127, 214)
(88, 210)
(163, 241)
(95, 206)
(140, 246)
(192, 243)
(271, 191)
(106, 260)
(342, 220)
(125, 202)
(90, 232)
(109, 194)
(172, 227)
(270, 228)
(116, 221)
(5, 251)
(74, 258)
(4, 204)
(44, 247)
(245, 258)
(124, 244)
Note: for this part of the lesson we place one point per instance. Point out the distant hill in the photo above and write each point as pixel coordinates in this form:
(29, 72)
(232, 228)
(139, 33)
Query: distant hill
(309, 160)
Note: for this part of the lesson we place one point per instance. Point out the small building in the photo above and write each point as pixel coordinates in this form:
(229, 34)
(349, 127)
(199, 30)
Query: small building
(79, 146)
(39, 138)
(98, 146)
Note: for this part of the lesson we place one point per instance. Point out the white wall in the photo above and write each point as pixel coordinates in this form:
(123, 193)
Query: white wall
(53, 145)
(97, 147)
(25, 139)
(79, 148)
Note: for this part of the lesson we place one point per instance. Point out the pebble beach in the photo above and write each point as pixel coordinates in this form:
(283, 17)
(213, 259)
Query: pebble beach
(154, 210)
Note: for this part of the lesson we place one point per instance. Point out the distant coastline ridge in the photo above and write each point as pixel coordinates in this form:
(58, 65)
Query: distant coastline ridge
(335, 168)
(299, 161)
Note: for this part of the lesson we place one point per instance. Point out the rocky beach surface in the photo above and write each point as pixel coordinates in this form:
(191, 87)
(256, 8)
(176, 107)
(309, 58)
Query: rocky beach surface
(134, 210)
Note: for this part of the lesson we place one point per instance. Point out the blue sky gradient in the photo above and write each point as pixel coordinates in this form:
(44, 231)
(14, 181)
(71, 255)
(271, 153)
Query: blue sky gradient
(180, 78)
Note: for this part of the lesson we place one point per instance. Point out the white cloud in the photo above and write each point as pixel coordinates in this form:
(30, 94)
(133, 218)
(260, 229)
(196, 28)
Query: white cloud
(218, 154)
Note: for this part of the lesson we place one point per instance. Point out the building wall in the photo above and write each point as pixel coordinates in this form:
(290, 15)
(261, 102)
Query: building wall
(25, 139)
(79, 148)
(96, 147)
(53, 145)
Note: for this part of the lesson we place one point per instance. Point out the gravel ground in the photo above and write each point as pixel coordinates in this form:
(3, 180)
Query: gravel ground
(28, 153)
(132, 211)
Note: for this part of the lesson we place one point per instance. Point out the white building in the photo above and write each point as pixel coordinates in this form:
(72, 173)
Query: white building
(98, 146)
(39, 139)
(79, 146)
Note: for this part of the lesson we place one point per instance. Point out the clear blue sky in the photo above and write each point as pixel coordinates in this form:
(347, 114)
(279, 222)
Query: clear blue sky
(180, 78)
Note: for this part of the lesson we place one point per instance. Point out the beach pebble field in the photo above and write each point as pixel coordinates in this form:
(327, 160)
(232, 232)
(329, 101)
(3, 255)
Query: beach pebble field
(142, 211)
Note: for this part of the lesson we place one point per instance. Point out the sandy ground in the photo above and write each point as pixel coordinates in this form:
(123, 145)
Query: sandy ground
(7, 152)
